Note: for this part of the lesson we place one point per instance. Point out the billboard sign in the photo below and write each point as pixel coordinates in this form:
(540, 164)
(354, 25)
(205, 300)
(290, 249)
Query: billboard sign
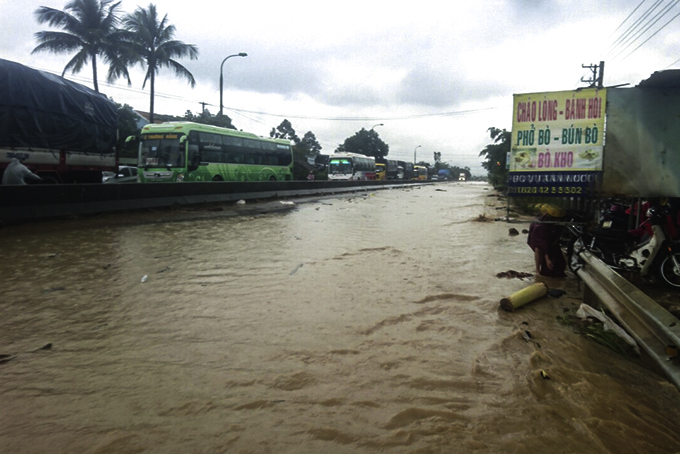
(557, 143)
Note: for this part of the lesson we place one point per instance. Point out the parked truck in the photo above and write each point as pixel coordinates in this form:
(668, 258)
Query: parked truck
(62, 131)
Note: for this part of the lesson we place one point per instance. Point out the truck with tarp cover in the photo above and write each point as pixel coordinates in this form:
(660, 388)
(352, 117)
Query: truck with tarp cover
(598, 142)
(63, 131)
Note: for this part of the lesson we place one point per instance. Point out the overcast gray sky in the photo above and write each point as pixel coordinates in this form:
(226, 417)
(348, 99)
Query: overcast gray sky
(435, 74)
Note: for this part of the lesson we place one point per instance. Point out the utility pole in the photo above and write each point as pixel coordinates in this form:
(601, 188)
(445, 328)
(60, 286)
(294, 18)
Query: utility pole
(597, 80)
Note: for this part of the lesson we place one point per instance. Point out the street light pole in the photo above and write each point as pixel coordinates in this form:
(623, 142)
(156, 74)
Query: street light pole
(241, 54)
(373, 138)
(414, 155)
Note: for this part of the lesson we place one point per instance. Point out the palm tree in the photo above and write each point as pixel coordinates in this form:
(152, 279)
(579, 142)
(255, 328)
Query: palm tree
(89, 29)
(152, 44)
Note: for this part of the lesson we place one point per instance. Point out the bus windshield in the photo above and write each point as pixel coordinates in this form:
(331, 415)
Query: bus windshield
(161, 150)
(340, 166)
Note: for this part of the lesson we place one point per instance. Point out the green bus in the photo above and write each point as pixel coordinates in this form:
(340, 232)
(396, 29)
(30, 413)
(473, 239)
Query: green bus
(187, 151)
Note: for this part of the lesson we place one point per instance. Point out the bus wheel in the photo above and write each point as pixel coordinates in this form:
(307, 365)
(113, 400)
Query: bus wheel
(217, 178)
(272, 178)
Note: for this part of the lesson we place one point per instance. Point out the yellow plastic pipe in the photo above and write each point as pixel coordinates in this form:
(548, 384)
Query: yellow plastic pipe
(524, 296)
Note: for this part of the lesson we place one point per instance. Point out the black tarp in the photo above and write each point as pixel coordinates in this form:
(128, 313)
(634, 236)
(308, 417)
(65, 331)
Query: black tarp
(42, 110)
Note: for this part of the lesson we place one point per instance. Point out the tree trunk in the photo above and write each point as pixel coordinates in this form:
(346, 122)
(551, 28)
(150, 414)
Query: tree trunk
(94, 73)
(152, 84)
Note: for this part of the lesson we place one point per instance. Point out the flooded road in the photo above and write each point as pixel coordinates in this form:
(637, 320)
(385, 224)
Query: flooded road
(359, 324)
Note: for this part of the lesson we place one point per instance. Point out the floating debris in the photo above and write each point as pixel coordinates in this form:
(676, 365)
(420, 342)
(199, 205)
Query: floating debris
(482, 218)
(584, 311)
(556, 292)
(524, 296)
(512, 274)
(145, 278)
(513, 232)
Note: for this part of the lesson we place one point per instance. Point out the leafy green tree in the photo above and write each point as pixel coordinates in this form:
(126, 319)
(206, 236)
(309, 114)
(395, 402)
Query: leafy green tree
(495, 155)
(127, 126)
(309, 146)
(303, 149)
(151, 44)
(365, 142)
(285, 131)
(89, 29)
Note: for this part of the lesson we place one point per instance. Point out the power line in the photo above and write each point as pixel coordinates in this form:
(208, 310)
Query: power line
(624, 36)
(651, 23)
(629, 16)
(641, 26)
(243, 112)
(404, 117)
(654, 34)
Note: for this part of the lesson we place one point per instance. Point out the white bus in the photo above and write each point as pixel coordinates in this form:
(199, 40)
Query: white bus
(351, 166)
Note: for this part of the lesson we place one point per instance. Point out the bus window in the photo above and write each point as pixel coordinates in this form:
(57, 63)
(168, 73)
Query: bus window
(161, 150)
(234, 149)
(211, 147)
(283, 155)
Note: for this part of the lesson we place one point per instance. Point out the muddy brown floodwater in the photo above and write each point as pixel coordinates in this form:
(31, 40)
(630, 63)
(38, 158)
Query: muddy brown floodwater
(356, 324)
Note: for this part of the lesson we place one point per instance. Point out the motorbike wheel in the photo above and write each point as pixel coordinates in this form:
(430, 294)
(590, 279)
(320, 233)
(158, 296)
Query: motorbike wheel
(669, 270)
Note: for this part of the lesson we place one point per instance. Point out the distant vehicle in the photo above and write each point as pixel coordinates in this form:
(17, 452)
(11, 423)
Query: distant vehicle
(380, 171)
(351, 166)
(107, 174)
(420, 173)
(393, 169)
(126, 174)
(444, 174)
(461, 177)
(406, 171)
(187, 151)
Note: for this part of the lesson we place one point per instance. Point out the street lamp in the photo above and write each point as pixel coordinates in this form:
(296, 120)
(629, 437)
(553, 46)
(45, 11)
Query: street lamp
(414, 155)
(242, 54)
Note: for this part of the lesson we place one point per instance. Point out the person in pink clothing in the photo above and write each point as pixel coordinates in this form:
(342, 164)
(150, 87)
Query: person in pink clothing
(544, 240)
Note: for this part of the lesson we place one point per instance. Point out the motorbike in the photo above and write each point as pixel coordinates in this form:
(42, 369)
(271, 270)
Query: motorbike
(656, 253)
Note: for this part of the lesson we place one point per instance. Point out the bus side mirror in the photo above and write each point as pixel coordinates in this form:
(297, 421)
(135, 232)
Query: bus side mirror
(130, 139)
(194, 160)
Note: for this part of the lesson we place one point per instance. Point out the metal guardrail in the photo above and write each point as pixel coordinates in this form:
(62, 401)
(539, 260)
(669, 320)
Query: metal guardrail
(652, 326)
